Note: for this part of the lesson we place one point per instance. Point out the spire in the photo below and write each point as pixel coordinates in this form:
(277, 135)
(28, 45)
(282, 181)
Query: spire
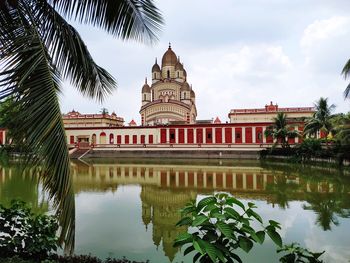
(156, 61)
(146, 80)
(169, 45)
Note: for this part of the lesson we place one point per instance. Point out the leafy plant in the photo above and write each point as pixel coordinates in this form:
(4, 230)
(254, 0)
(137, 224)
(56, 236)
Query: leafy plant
(295, 253)
(26, 234)
(219, 226)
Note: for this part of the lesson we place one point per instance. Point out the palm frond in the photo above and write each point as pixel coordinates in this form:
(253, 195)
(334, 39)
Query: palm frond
(127, 19)
(70, 54)
(30, 76)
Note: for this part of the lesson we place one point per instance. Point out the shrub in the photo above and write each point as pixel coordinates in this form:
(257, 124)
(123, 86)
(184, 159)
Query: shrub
(24, 234)
(221, 225)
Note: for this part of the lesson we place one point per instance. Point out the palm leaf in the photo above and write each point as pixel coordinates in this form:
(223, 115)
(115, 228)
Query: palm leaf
(31, 78)
(127, 19)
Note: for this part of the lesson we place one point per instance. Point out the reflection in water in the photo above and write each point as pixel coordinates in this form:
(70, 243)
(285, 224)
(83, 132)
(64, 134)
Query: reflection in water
(165, 188)
(21, 183)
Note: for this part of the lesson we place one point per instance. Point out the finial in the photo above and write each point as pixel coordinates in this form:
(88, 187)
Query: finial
(156, 61)
(178, 58)
(146, 80)
(169, 45)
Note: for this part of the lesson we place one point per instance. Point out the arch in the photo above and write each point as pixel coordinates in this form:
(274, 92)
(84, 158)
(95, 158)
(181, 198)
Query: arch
(102, 138)
(168, 74)
(111, 138)
(93, 139)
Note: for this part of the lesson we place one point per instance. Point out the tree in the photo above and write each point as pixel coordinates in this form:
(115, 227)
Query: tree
(280, 130)
(321, 119)
(346, 73)
(39, 48)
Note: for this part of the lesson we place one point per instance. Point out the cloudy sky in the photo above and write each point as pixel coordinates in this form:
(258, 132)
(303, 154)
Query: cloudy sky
(237, 54)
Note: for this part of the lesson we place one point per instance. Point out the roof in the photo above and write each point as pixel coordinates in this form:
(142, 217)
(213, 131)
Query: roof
(169, 58)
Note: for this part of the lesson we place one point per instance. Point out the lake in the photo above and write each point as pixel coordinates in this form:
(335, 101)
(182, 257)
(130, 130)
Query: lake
(130, 207)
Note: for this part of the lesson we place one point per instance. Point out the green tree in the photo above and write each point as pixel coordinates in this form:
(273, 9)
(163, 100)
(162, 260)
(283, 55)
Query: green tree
(280, 130)
(346, 73)
(39, 49)
(321, 119)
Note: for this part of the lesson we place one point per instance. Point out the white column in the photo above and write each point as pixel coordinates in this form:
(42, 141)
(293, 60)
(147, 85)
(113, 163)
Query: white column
(263, 134)
(194, 135)
(167, 135)
(177, 135)
(243, 134)
(223, 135)
(224, 180)
(186, 179)
(234, 180)
(177, 179)
(204, 180)
(233, 135)
(185, 136)
(195, 179)
(296, 138)
(213, 135)
(254, 134)
(214, 180)
(244, 181)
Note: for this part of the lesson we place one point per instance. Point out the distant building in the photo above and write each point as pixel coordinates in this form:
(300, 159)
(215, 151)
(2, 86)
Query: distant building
(170, 98)
(267, 114)
(74, 119)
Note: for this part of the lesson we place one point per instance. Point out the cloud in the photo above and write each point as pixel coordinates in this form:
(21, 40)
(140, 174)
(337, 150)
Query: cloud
(322, 30)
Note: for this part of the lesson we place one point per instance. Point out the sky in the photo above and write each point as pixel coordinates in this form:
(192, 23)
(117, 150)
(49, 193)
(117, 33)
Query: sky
(237, 54)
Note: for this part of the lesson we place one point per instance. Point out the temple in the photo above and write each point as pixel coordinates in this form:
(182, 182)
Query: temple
(170, 98)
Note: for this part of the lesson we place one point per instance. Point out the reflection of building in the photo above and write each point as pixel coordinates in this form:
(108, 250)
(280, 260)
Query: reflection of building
(170, 98)
(161, 207)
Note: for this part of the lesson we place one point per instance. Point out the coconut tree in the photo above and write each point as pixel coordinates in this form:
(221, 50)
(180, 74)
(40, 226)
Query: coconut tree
(39, 49)
(280, 130)
(321, 119)
(346, 74)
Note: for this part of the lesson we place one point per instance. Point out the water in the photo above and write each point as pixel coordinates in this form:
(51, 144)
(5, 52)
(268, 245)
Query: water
(129, 208)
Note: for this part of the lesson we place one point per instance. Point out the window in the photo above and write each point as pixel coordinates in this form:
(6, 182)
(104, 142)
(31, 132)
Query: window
(144, 96)
(168, 74)
(209, 136)
(184, 95)
(238, 135)
(155, 76)
(178, 74)
(172, 136)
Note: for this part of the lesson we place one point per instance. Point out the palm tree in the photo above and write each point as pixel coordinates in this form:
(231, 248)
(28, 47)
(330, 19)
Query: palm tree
(280, 131)
(321, 119)
(39, 49)
(346, 72)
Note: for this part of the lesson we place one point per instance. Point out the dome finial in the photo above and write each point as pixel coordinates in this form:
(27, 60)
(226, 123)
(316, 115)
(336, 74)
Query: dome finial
(146, 80)
(156, 61)
(169, 45)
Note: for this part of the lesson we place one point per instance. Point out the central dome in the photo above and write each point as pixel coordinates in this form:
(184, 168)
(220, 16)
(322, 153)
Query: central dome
(169, 58)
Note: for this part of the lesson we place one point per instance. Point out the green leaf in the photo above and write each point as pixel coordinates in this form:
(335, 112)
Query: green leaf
(199, 220)
(183, 236)
(245, 243)
(188, 250)
(252, 213)
(205, 201)
(225, 229)
(232, 200)
(275, 224)
(251, 205)
(211, 251)
(276, 238)
(236, 257)
(184, 221)
(232, 213)
(197, 246)
(196, 257)
(261, 236)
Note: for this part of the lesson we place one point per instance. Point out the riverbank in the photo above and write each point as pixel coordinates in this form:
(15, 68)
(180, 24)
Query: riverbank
(204, 153)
